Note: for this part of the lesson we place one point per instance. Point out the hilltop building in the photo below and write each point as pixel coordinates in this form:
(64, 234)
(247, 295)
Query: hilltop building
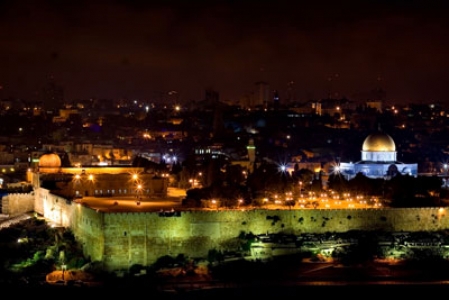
(93, 181)
(378, 160)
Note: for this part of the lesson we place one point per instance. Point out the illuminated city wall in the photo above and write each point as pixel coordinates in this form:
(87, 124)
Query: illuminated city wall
(87, 226)
(120, 240)
(17, 203)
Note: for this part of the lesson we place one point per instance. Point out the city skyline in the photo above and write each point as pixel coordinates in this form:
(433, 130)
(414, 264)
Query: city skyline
(164, 49)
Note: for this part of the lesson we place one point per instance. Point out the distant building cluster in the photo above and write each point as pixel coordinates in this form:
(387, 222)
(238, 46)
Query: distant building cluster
(216, 138)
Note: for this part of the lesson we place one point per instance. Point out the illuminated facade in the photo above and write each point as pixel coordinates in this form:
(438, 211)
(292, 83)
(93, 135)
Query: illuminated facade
(378, 160)
(107, 181)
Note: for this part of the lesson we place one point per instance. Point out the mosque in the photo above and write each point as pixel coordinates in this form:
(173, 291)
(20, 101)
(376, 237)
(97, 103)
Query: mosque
(94, 181)
(378, 160)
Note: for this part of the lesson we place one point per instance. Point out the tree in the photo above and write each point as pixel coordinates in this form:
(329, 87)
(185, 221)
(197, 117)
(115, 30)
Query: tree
(338, 183)
(409, 191)
(361, 184)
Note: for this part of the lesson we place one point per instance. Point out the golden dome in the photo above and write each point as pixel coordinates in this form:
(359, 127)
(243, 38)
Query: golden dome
(50, 160)
(379, 142)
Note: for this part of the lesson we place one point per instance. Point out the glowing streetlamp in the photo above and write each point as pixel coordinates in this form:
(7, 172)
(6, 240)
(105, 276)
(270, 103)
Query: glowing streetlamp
(138, 191)
(240, 201)
(195, 181)
(215, 203)
(198, 181)
(63, 267)
(192, 183)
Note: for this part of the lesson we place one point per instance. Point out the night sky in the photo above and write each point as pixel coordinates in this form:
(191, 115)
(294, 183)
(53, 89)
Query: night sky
(146, 49)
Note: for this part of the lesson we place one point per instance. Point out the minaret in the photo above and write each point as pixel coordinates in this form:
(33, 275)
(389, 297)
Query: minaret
(251, 155)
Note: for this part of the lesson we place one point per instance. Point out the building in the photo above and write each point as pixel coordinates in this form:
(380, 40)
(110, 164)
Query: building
(378, 160)
(105, 181)
(122, 233)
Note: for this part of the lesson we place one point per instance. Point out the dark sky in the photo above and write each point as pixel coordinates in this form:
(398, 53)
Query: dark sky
(145, 49)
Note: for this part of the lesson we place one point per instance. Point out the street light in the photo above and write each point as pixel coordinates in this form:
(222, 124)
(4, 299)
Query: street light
(195, 182)
(198, 179)
(63, 267)
(192, 183)
(214, 204)
(139, 188)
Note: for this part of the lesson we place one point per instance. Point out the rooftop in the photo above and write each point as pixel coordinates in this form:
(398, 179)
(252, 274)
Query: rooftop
(131, 203)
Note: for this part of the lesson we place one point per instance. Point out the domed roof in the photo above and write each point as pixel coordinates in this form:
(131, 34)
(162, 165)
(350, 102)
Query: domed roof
(50, 160)
(379, 142)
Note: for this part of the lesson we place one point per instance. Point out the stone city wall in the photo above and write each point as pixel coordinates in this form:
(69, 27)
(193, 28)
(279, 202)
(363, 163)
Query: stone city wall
(120, 240)
(87, 226)
(17, 203)
(57, 210)
(86, 223)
